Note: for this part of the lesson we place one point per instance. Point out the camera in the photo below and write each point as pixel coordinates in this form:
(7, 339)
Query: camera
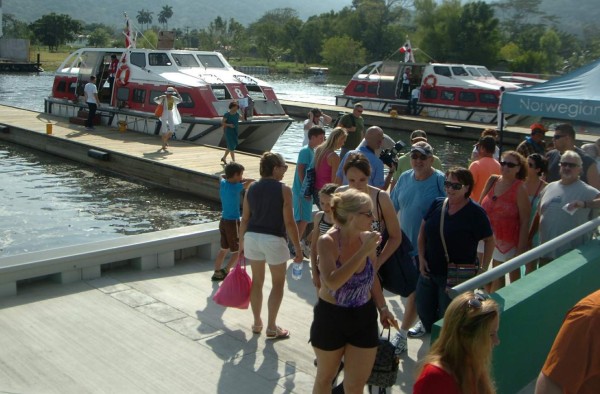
(389, 157)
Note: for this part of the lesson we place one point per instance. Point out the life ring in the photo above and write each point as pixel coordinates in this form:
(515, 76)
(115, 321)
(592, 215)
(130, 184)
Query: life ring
(126, 72)
(430, 81)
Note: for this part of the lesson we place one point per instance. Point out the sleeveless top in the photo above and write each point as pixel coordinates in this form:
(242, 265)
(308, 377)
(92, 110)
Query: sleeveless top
(324, 226)
(265, 198)
(357, 290)
(323, 173)
(503, 213)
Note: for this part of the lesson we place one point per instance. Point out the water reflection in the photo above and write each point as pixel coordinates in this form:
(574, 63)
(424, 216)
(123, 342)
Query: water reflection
(50, 202)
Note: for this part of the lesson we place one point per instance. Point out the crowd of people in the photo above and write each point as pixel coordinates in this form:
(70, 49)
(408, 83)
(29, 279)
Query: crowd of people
(502, 205)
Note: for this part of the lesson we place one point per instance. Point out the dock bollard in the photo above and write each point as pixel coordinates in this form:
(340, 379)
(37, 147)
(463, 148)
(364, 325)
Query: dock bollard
(49, 128)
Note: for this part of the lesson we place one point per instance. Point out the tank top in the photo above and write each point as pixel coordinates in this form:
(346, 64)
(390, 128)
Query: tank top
(503, 213)
(357, 290)
(324, 226)
(265, 199)
(323, 172)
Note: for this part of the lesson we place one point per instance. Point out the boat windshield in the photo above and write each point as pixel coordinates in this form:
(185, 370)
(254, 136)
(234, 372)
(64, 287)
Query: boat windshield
(485, 72)
(459, 71)
(210, 61)
(442, 70)
(185, 60)
(473, 71)
(159, 59)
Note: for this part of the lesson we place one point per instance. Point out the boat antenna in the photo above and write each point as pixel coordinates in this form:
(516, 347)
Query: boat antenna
(425, 53)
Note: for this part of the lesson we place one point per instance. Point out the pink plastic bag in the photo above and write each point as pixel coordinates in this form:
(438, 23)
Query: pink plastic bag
(235, 290)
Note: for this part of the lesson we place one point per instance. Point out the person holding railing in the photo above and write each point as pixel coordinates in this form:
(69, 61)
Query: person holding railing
(564, 205)
(535, 184)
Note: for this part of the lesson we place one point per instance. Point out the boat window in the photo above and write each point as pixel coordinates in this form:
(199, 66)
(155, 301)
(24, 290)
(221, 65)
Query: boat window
(138, 59)
(489, 98)
(359, 88)
(159, 59)
(185, 60)
(467, 96)
(459, 71)
(448, 95)
(186, 102)
(430, 93)
(473, 71)
(139, 95)
(212, 61)
(255, 92)
(485, 72)
(123, 94)
(372, 89)
(221, 92)
(442, 70)
(62, 86)
(154, 94)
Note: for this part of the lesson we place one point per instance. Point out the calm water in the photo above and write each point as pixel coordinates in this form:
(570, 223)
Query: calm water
(50, 202)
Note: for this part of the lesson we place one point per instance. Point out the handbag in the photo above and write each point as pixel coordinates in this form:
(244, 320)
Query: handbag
(308, 184)
(398, 274)
(159, 110)
(457, 273)
(234, 291)
(385, 369)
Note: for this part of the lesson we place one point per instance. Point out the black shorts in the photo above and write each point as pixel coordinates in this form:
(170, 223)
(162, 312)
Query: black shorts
(335, 326)
(229, 230)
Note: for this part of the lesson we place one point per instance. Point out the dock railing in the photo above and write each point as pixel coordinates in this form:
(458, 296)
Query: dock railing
(516, 263)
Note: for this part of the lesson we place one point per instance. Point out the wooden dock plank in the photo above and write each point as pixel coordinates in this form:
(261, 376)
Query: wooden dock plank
(201, 160)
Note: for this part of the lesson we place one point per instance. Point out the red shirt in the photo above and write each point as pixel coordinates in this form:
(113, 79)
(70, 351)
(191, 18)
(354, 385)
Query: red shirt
(113, 67)
(435, 380)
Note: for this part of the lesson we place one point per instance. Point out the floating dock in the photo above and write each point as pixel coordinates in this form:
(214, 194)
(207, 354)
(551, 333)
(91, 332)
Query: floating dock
(186, 167)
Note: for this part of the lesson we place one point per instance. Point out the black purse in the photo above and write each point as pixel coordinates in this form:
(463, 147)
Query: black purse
(398, 274)
(385, 368)
(308, 184)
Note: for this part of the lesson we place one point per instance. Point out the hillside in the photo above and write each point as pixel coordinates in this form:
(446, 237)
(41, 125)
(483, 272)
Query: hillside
(186, 13)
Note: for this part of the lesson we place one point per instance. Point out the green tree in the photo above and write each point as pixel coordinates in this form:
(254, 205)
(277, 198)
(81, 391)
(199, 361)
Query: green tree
(144, 17)
(438, 27)
(14, 28)
(272, 39)
(550, 47)
(54, 30)
(478, 40)
(164, 15)
(148, 40)
(99, 38)
(343, 54)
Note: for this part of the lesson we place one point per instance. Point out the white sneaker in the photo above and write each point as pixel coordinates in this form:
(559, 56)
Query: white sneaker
(400, 343)
(417, 330)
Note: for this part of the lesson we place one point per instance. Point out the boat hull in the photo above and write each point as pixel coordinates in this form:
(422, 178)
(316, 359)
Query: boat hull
(255, 135)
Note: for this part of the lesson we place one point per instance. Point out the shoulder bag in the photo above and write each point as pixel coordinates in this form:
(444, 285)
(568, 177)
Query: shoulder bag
(308, 184)
(457, 272)
(398, 274)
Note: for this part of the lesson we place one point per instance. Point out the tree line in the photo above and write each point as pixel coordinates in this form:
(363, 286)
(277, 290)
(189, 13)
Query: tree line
(510, 34)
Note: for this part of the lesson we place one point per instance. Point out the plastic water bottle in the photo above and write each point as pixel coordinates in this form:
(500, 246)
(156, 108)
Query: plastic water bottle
(296, 270)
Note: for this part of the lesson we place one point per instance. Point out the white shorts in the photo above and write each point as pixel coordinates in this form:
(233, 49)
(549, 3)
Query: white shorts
(498, 255)
(266, 247)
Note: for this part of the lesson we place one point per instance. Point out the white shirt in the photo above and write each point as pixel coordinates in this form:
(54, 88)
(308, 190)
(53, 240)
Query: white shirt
(415, 93)
(308, 123)
(90, 91)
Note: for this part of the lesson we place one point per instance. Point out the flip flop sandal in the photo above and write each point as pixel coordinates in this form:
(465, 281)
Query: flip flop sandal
(218, 276)
(257, 329)
(278, 333)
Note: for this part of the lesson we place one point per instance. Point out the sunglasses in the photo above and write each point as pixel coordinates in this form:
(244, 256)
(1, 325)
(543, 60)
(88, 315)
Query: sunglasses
(476, 301)
(508, 164)
(417, 156)
(453, 186)
(368, 214)
(568, 165)
(558, 136)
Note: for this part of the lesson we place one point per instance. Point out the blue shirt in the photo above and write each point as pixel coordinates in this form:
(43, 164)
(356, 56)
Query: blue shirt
(376, 179)
(230, 199)
(412, 198)
(305, 156)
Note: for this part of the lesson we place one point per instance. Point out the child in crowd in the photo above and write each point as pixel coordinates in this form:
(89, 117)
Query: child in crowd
(322, 222)
(232, 184)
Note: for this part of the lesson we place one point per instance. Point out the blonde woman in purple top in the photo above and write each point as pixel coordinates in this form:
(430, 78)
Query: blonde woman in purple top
(345, 317)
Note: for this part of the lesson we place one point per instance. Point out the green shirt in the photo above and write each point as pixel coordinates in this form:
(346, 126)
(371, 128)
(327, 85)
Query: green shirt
(354, 137)
(404, 165)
